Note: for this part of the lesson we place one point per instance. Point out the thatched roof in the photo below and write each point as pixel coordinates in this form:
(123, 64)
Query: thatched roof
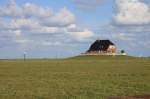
(100, 45)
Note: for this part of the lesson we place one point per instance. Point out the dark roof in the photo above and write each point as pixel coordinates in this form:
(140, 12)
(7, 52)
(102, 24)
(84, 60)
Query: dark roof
(100, 45)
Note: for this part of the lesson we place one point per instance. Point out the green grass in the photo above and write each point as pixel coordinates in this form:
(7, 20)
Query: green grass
(81, 77)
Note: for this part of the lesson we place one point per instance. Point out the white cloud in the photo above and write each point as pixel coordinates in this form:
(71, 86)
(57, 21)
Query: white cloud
(27, 10)
(46, 43)
(132, 12)
(72, 26)
(125, 37)
(17, 32)
(44, 14)
(83, 34)
(46, 30)
(22, 41)
(24, 23)
(87, 4)
(62, 18)
(30, 9)
(11, 10)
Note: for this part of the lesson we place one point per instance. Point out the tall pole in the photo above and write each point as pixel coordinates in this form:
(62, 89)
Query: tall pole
(24, 56)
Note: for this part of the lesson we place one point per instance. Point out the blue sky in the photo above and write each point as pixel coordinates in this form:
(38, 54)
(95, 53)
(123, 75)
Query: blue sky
(63, 28)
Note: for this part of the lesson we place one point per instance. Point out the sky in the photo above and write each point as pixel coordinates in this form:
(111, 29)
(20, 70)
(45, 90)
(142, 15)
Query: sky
(65, 28)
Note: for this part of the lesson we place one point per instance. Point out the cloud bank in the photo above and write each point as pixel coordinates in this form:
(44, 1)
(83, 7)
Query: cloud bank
(33, 24)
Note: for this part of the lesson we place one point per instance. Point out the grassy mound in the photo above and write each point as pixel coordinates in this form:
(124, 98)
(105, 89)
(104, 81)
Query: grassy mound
(101, 57)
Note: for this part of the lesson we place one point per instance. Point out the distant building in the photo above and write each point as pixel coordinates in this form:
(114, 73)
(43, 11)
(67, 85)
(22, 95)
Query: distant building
(102, 47)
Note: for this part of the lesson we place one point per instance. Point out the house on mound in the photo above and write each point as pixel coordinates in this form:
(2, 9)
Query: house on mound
(102, 47)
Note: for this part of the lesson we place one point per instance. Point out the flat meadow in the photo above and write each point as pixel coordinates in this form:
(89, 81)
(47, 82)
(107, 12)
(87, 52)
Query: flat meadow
(81, 77)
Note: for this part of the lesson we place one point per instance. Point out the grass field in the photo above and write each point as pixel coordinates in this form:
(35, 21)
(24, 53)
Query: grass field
(84, 77)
